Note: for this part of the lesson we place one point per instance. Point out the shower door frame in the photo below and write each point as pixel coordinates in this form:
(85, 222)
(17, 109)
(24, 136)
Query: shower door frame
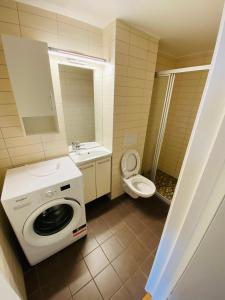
(171, 74)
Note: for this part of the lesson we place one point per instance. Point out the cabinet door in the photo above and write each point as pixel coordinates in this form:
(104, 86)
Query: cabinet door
(30, 76)
(103, 176)
(88, 172)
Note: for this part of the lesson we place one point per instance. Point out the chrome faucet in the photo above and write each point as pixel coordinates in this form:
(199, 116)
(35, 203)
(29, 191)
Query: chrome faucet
(75, 146)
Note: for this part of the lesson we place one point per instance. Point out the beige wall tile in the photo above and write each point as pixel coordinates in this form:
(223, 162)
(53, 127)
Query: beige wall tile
(9, 28)
(25, 149)
(8, 15)
(27, 158)
(2, 58)
(5, 163)
(184, 104)
(6, 98)
(122, 35)
(2, 143)
(73, 32)
(56, 152)
(9, 121)
(133, 88)
(22, 141)
(38, 22)
(35, 11)
(40, 35)
(10, 132)
(8, 3)
(3, 153)
(8, 110)
(5, 85)
(3, 72)
(16, 149)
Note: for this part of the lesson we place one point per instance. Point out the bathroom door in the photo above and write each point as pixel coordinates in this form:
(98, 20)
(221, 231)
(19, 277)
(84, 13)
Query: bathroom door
(204, 277)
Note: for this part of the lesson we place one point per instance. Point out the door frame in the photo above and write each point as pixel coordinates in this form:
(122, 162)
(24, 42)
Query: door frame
(199, 189)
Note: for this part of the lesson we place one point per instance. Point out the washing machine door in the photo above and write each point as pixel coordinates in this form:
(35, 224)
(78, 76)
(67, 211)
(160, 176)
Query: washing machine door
(52, 222)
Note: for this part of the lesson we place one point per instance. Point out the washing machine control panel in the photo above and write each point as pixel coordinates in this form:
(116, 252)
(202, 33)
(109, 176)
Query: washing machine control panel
(55, 191)
(49, 193)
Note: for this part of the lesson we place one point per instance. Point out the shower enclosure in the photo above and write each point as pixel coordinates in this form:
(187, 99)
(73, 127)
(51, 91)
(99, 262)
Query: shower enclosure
(175, 101)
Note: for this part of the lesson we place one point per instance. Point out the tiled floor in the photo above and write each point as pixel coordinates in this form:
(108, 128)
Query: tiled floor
(165, 184)
(112, 262)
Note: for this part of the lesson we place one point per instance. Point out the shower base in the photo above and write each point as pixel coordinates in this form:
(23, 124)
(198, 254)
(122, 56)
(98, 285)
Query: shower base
(165, 184)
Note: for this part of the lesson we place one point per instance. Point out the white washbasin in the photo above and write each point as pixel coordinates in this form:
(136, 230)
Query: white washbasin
(82, 156)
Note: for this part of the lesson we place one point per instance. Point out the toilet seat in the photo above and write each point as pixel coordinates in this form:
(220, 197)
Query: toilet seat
(130, 163)
(141, 186)
(135, 184)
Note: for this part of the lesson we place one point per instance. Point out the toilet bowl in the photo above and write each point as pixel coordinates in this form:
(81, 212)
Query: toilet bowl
(135, 184)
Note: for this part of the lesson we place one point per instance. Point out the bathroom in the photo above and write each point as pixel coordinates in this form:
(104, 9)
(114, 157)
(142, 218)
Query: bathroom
(130, 101)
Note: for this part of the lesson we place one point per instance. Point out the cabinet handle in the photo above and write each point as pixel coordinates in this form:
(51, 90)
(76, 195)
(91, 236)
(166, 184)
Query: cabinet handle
(87, 167)
(103, 161)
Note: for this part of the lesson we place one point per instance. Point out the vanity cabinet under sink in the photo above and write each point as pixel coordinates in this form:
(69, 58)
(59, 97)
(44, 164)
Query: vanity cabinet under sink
(97, 178)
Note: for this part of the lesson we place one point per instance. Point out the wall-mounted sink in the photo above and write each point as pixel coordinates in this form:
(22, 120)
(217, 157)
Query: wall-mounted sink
(84, 156)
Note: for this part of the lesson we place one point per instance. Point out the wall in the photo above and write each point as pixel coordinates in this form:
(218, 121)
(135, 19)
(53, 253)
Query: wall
(15, 149)
(135, 59)
(165, 62)
(58, 31)
(108, 83)
(194, 60)
(9, 264)
(186, 96)
(78, 103)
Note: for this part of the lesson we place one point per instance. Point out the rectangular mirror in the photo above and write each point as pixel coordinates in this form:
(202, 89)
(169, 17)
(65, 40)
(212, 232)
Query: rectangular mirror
(77, 89)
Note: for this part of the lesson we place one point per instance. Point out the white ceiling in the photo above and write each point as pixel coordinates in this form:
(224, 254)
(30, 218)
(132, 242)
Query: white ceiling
(184, 26)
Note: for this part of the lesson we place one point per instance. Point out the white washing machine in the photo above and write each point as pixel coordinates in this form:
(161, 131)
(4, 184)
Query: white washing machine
(45, 206)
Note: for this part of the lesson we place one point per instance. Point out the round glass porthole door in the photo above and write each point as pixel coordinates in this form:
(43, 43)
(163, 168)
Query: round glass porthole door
(52, 222)
(53, 219)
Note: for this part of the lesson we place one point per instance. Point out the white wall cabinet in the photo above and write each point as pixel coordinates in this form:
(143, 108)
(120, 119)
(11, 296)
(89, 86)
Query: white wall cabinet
(97, 178)
(30, 76)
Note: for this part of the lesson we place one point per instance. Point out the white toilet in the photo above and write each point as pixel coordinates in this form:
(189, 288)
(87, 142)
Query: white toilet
(135, 184)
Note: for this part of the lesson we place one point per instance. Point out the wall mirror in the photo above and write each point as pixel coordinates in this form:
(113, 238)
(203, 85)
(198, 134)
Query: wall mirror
(77, 90)
(78, 86)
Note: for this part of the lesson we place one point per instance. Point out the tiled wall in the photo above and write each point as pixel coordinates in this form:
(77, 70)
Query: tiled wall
(15, 149)
(165, 62)
(188, 88)
(187, 92)
(58, 31)
(78, 103)
(194, 60)
(109, 39)
(135, 59)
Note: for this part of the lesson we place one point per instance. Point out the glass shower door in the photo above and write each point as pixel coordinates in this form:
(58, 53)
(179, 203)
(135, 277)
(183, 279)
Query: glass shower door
(185, 99)
(154, 120)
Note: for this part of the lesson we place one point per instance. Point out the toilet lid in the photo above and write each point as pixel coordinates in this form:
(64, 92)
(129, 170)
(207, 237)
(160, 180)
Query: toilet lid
(130, 163)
